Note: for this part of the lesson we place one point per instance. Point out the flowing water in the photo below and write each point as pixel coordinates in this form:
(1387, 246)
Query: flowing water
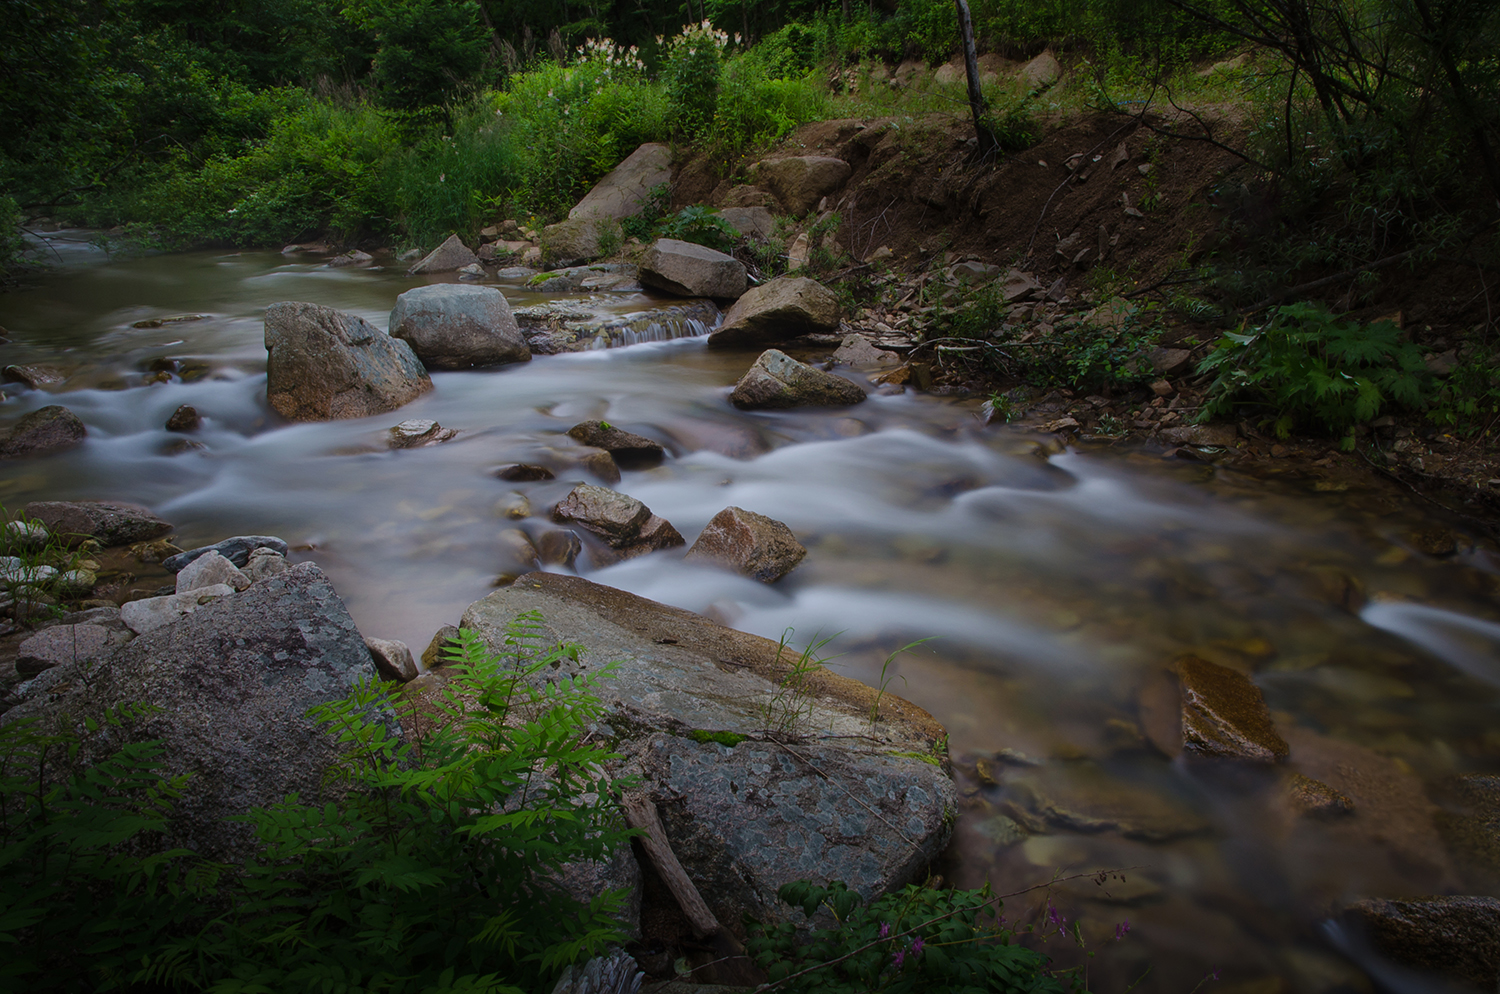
(1054, 583)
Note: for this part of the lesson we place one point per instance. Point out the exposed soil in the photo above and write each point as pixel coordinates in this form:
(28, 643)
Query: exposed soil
(1110, 206)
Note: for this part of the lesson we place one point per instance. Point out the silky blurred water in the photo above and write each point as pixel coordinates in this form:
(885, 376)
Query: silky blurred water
(1053, 584)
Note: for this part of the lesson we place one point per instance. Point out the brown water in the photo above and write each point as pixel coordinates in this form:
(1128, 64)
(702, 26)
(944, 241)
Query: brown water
(1056, 582)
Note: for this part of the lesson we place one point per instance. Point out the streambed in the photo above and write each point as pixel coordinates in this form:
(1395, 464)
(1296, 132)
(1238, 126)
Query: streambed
(1053, 583)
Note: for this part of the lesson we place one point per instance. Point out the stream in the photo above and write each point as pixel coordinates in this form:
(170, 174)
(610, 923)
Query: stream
(1052, 582)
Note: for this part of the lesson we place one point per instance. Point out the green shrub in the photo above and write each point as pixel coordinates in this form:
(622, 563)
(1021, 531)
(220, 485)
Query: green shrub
(914, 940)
(435, 869)
(701, 225)
(756, 105)
(1307, 368)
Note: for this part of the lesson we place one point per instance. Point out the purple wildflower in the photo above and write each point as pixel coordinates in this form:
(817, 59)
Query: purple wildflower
(1054, 916)
(885, 930)
(1215, 974)
(1122, 930)
(899, 958)
(916, 946)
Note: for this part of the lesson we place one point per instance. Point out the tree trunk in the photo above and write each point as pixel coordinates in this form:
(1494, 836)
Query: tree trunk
(988, 146)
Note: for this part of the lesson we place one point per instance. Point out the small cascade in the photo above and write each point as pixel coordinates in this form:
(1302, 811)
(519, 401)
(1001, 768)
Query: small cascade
(574, 327)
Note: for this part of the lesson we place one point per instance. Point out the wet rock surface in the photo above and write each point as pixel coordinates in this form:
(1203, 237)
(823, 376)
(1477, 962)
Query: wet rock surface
(568, 327)
(185, 418)
(749, 543)
(324, 364)
(779, 381)
(625, 525)
(748, 817)
(1455, 937)
(418, 433)
(42, 432)
(453, 326)
(233, 682)
(781, 309)
(1224, 715)
(108, 522)
(630, 451)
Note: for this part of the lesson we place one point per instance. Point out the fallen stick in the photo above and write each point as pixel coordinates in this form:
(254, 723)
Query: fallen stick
(732, 965)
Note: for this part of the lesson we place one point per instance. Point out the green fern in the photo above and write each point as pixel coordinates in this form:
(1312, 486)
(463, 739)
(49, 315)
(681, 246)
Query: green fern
(1306, 368)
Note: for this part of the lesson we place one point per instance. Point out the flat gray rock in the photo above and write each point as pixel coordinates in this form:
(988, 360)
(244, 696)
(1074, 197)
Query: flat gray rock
(784, 308)
(151, 613)
(84, 644)
(232, 684)
(834, 798)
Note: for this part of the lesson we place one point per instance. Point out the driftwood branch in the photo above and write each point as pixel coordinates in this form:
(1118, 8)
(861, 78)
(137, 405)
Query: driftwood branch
(640, 813)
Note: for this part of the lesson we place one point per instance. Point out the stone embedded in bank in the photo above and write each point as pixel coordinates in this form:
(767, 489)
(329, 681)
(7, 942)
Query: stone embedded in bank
(780, 309)
(324, 365)
(691, 270)
(237, 550)
(106, 521)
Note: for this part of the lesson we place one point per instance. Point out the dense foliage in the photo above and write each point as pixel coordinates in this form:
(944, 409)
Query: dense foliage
(913, 940)
(435, 870)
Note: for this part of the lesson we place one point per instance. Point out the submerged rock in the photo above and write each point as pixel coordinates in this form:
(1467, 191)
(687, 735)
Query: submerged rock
(524, 473)
(108, 522)
(452, 326)
(323, 365)
(232, 683)
(42, 432)
(784, 308)
(1224, 715)
(34, 376)
(777, 380)
(757, 546)
(689, 702)
(630, 451)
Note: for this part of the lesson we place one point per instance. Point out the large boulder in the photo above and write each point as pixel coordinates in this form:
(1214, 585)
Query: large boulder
(449, 257)
(690, 270)
(42, 432)
(753, 544)
(627, 527)
(323, 364)
(778, 380)
(626, 188)
(781, 309)
(759, 781)
(1041, 72)
(107, 522)
(458, 326)
(751, 222)
(800, 181)
(232, 683)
